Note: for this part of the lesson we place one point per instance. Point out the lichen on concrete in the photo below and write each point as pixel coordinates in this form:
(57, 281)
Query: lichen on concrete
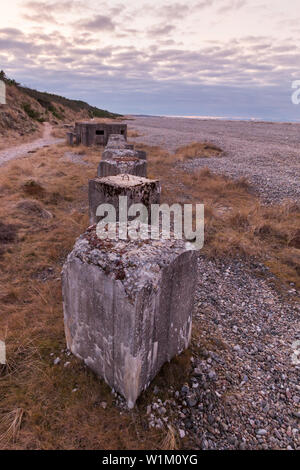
(107, 190)
(122, 165)
(128, 306)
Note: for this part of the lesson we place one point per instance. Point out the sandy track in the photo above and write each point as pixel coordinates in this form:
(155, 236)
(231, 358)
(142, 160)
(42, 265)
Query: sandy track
(267, 154)
(22, 150)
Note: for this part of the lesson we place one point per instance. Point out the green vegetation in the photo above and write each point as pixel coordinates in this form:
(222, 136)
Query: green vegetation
(54, 103)
(8, 81)
(47, 99)
(35, 115)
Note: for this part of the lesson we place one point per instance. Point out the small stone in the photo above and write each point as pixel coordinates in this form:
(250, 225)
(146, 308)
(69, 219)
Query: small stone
(232, 440)
(66, 364)
(192, 401)
(56, 361)
(262, 432)
(104, 404)
(210, 419)
(197, 372)
(181, 433)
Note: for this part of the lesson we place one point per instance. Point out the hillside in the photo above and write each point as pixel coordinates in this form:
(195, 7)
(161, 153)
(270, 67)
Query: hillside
(26, 109)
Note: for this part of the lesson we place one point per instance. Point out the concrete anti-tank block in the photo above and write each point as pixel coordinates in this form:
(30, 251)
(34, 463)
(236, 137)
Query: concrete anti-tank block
(111, 153)
(131, 166)
(141, 154)
(128, 307)
(118, 141)
(107, 191)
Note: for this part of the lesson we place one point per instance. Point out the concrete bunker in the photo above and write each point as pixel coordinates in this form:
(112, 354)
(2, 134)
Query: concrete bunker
(97, 133)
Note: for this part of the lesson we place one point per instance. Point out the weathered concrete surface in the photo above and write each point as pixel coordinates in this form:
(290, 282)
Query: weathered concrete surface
(128, 307)
(71, 138)
(119, 145)
(118, 141)
(141, 154)
(110, 153)
(2, 92)
(117, 148)
(107, 191)
(97, 133)
(131, 166)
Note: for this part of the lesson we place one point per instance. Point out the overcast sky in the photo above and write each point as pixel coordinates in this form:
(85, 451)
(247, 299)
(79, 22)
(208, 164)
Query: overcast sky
(234, 58)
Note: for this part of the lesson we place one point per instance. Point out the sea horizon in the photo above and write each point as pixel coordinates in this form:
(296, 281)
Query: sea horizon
(220, 118)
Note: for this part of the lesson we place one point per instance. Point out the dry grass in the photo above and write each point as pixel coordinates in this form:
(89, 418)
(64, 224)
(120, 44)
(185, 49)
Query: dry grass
(198, 150)
(170, 441)
(59, 132)
(236, 222)
(44, 204)
(132, 133)
(10, 423)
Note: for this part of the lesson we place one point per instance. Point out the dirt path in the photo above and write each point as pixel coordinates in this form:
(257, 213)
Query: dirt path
(22, 150)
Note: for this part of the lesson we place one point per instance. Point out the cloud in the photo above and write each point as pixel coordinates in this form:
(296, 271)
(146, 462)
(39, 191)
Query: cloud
(142, 63)
(161, 30)
(231, 6)
(41, 18)
(174, 10)
(46, 11)
(231, 62)
(52, 6)
(99, 22)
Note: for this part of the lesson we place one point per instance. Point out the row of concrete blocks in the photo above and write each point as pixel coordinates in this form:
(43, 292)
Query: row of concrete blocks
(127, 303)
(119, 157)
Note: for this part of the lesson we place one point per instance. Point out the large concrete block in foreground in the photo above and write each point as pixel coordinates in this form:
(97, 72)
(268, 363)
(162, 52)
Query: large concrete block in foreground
(131, 166)
(108, 190)
(128, 307)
